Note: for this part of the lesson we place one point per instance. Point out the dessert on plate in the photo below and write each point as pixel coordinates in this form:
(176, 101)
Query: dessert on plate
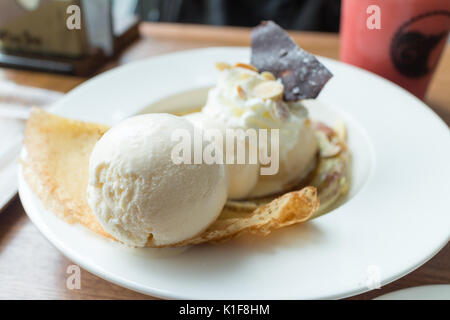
(122, 183)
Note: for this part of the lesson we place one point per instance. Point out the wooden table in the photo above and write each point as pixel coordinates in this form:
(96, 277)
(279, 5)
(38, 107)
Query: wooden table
(31, 268)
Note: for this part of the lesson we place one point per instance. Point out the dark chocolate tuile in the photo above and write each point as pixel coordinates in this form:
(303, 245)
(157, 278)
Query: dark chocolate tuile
(273, 50)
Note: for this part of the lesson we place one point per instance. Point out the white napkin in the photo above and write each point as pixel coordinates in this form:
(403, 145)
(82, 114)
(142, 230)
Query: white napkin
(15, 105)
(16, 100)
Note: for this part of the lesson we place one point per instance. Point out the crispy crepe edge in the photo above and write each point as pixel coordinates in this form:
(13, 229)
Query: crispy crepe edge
(291, 208)
(37, 173)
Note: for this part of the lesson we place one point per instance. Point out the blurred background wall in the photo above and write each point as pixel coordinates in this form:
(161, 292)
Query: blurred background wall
(34, 34)
(312, 15)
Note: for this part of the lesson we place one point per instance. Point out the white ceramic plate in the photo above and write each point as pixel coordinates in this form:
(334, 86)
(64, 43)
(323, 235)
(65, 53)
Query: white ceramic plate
(395, 219)
(431, 292)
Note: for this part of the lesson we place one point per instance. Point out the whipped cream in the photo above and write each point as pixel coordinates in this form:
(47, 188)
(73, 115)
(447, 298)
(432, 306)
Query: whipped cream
(244, 108)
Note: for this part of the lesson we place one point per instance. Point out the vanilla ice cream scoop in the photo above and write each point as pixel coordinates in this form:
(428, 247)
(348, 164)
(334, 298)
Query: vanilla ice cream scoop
(138, 193)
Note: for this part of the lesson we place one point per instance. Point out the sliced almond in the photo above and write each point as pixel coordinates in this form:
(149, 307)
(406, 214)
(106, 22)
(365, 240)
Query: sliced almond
(222, 66)
(244, 76)
(245, 66)
(268, 75)
(281, 110)
(331, 150)
(341, 130)
(308, 122)
(269, 90)
(241, 92)
(327, 148)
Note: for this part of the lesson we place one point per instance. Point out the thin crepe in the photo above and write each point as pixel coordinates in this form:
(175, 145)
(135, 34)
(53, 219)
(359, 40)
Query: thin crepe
(56, 168)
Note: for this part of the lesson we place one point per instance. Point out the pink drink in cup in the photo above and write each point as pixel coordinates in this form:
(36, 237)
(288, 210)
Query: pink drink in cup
(400, 40)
